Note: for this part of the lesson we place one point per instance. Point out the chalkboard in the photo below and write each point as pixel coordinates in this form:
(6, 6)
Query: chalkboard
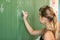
(8, 20)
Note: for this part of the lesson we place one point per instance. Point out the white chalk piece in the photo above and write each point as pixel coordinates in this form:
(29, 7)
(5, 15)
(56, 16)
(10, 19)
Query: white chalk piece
(22, 11)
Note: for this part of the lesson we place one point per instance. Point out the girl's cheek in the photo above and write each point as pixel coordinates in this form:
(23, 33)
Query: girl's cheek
(41, 21)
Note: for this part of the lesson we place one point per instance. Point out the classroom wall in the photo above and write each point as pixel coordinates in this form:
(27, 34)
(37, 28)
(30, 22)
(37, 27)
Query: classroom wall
(59, 11)
(11, 22)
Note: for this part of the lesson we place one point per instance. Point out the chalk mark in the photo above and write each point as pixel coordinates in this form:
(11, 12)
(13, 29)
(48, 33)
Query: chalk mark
(1, 8)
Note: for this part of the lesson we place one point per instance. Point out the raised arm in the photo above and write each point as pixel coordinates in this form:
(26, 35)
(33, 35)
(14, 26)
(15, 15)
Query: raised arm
(29, 28)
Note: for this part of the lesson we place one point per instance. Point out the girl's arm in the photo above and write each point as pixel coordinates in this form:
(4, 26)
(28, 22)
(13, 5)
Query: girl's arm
(29, 28)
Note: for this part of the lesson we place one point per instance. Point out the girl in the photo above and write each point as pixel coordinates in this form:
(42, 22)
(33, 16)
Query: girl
(49, 19)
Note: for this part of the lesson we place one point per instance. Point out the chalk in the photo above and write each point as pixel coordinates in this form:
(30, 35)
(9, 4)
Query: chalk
(22, 11)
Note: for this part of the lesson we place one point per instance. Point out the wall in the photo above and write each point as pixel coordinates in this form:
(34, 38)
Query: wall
(59, 12)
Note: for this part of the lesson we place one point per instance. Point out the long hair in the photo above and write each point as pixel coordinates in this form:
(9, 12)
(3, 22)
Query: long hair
(52, 18)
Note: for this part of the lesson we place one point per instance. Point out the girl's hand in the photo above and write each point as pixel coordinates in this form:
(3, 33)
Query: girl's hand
(25, 14)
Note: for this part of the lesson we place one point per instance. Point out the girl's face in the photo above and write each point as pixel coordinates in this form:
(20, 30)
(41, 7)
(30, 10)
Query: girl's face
(43, 20)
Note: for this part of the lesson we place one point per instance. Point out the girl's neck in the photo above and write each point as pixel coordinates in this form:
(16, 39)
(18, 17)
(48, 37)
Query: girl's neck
(49, 24)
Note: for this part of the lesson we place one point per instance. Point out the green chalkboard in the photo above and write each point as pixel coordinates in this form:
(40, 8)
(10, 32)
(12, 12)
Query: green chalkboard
(8, 20)
(11, 23)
